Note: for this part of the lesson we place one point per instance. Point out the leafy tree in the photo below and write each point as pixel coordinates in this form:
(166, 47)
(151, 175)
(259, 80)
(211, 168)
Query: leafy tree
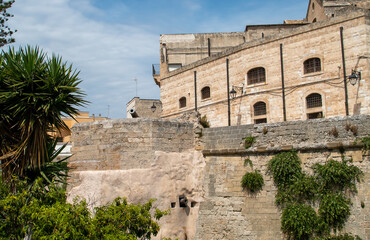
(40, 210)
(5, 32)
(35, 91)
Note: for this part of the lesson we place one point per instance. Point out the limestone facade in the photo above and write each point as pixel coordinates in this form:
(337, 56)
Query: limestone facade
(288, 89)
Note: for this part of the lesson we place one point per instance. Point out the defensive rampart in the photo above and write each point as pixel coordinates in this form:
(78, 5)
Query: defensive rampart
(228, 212)
(168, 160)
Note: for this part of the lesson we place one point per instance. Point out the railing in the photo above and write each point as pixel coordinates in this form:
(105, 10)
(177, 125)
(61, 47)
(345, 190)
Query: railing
(156, 69)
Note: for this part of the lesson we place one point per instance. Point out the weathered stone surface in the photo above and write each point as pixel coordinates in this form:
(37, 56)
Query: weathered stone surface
(141, 159)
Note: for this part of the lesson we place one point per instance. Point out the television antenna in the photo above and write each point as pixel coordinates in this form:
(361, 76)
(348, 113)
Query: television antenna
(135, 86)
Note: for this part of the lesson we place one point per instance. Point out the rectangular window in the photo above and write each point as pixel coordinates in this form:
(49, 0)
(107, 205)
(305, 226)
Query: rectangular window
(261, 120)
(173, 67)
(314, 115)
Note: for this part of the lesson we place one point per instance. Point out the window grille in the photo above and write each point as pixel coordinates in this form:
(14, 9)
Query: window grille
(256, 75)
(206, 92)
(182, 102)
(314, 100)
(259, 109)
(312, 65)
(261, 120)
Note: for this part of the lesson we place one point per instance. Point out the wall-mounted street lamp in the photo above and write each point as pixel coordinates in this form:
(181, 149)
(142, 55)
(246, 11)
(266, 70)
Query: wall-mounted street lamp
(354, 77)
(233, 92)
(153, 108)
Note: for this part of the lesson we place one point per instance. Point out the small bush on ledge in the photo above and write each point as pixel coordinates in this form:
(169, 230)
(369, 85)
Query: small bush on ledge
(248, 141)
(252, 181)
(204, 122)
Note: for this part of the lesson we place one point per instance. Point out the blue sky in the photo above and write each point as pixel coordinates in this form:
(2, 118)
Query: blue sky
(111, 42)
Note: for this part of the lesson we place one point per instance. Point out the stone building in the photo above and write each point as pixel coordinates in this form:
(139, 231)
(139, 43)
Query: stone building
(143, 108)
(317, 67)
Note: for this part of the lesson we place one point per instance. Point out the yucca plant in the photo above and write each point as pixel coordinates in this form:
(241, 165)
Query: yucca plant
(54, 170)
(35, 91)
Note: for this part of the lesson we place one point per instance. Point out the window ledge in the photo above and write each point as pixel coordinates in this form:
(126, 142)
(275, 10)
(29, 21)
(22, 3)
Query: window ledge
(205, 100)
(312, 74)
(260, 116)
(255, 85)
(315, 109)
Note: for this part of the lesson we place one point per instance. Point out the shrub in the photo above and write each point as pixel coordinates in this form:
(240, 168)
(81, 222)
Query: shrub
(285, 168)
(253, 181)
(326, 188)
(302, 190)
(204, 122)
(334, 210)
(299, 221)
(42, 211)
(248, 141)
(337, 176)
(366, 142)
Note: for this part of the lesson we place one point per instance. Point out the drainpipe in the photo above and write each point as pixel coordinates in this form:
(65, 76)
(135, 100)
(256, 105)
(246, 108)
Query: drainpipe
(228, 94)
(344, 72)
(282, 80)
(209, 47)
(195, 90)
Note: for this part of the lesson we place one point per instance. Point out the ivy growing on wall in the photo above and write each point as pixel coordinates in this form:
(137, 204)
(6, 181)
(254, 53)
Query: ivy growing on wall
(313, 206)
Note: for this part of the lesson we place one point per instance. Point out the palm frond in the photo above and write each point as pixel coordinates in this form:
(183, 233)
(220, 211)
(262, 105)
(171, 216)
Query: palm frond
(35, 91)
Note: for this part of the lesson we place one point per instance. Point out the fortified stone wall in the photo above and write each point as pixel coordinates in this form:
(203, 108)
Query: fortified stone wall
(139, 159)
(228, 212)
(142, 159)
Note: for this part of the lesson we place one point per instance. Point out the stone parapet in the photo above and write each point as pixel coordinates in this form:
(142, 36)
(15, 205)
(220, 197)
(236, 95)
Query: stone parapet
(127, 143)
(300, 135)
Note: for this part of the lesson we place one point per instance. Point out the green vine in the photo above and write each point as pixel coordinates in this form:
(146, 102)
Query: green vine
(298, 194)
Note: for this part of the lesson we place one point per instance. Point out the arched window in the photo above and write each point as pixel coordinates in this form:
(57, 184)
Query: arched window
(312, 65)
(313, 100)
(314, 106)
(256, 75)
(314, 20)
(259, 110)
(206, 92)
(182, 102)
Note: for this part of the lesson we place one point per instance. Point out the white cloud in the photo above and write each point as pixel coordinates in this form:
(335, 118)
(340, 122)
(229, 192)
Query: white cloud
(112, 44)
(108, 55)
